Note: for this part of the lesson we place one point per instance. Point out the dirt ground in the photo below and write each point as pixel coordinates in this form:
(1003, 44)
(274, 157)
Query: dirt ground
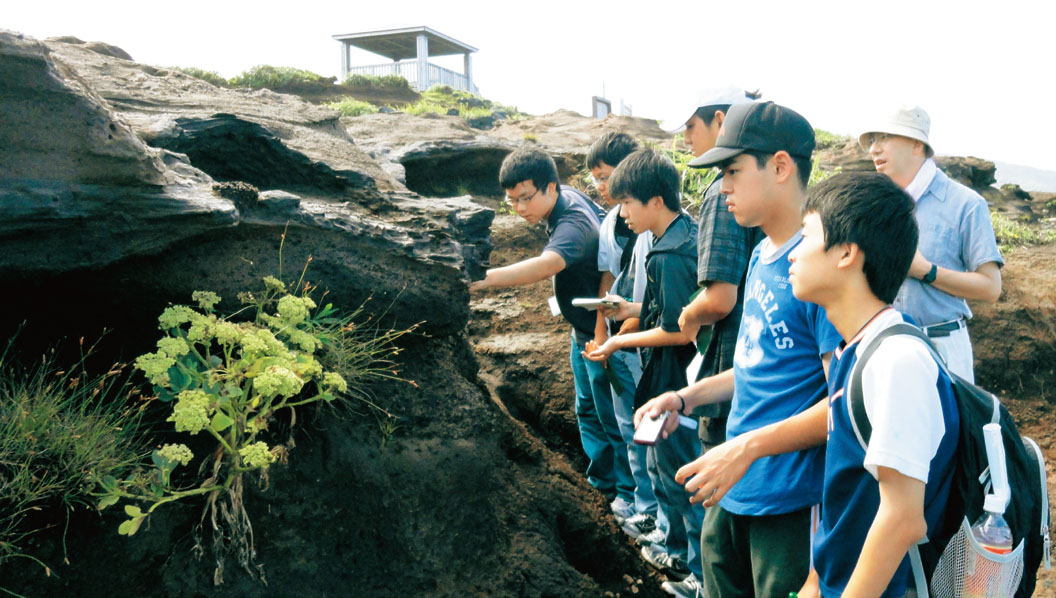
(523, 350)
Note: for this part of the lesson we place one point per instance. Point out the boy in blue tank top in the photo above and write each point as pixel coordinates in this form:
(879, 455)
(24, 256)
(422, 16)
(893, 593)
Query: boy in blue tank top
(756, 540)
(859, 237)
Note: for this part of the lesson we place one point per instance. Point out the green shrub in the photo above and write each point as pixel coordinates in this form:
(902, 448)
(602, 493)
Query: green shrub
(353, 107)
(1011, 234)
(229, 379)
(208, 76)
(440, 99)
(826, 140)
(60, 431)
(385, 82)
(272, 77)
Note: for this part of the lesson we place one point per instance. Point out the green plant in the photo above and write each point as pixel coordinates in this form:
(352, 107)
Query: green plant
(59, 429)
(385, 82)
(826, 140)
(208, 76)
(1011, 233)
(440, 99)
(695, 181)
(353, 107)
(230, 379)
(531, 137)
(818, 175)
(272, 77)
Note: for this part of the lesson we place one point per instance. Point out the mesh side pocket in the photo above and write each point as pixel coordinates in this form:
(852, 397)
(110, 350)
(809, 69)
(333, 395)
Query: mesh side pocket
(967, 570)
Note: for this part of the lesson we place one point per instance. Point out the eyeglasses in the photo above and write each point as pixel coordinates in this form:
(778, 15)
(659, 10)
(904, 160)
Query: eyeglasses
(871, 138)
(514, 202)
(598, 181)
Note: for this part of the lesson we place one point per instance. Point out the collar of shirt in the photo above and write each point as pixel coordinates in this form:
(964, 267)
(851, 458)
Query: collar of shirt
(555, 213)
(922, 181)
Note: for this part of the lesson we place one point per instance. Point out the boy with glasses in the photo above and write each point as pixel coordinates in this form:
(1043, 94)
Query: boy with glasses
(570, 258)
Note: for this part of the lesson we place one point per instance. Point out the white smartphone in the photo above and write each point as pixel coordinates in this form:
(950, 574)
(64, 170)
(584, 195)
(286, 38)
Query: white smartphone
(648, 431)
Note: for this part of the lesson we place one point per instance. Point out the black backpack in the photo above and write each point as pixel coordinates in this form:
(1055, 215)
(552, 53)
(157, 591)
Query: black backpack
(1027, 513)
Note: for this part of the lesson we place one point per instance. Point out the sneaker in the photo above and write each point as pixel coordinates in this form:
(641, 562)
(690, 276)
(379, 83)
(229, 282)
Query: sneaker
(666, 563)
(639, 524)
(687, 588)
(654, 537)
(621, 510)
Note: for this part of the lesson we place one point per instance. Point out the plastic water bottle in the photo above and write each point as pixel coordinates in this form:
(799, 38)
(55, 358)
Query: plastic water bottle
(992, 532)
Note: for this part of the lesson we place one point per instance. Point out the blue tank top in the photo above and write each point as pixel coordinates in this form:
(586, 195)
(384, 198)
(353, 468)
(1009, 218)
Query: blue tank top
(851, 495)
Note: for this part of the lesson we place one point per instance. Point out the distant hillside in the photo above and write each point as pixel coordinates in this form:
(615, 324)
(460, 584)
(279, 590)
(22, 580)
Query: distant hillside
(1028, 178)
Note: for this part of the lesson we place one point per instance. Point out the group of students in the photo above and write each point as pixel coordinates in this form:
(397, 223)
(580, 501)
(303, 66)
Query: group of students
(741, 327)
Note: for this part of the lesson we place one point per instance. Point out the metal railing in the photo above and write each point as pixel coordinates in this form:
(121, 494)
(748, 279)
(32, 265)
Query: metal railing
(438, 75)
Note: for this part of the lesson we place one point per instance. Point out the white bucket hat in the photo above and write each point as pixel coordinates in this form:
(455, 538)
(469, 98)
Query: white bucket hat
(908, 121)
(727, 96)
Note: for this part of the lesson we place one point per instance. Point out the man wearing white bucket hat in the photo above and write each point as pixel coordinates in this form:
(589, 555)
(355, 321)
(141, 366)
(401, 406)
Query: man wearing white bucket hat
(957, 256)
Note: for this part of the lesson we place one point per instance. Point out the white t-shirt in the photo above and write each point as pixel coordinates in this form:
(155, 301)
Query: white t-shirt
(902, 401)
(610, 252)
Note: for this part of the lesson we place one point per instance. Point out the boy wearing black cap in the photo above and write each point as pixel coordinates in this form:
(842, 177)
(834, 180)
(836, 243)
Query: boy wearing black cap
(756, 539)
(879, 496)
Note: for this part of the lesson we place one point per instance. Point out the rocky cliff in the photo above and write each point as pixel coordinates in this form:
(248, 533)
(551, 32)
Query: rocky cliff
(124, 187)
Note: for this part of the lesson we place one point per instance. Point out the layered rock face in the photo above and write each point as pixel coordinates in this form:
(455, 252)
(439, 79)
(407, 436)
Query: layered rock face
(110, 165)
(125, 187)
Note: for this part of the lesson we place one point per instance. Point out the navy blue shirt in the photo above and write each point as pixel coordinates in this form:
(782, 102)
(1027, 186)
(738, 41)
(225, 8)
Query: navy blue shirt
(573, 230)
(851, 495)
(671, 270)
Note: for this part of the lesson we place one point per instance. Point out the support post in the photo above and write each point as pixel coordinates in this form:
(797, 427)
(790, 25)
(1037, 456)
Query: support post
(345, 59)
(468, 60)
(423, 62)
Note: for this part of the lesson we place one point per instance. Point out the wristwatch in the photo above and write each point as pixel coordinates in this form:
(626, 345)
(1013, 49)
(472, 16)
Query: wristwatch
(930, 276)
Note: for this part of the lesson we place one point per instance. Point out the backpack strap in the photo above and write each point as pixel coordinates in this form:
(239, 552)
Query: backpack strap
(863, 430)
(919, 578)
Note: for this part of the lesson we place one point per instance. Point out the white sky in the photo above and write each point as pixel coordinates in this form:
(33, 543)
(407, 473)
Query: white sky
(982, 69)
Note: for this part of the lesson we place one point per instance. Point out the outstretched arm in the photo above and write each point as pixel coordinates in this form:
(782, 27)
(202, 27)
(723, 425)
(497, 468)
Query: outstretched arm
(656, 337)
(531, 270)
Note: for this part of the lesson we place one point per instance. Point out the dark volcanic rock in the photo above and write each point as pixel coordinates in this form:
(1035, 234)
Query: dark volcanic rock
(81, 190)
(101, 230)
(973, 172)
(232, 149)
(77, 187)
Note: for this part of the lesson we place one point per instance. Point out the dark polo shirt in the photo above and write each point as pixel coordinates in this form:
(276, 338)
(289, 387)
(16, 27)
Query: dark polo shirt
(573, 230)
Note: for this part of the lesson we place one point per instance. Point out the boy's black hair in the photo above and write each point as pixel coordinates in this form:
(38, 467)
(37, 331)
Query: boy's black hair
(707, 113)
(528, 164)
(871, 211)
(611, 148)
(646, 174)
(803, 165)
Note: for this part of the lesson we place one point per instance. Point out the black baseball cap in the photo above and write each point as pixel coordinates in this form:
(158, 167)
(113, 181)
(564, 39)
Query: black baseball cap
(759, 126)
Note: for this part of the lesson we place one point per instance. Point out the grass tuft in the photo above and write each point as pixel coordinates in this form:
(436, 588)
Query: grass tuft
(60, 430)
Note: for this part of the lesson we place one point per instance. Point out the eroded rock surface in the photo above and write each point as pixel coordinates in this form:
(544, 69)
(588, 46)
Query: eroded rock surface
(160, 184)
(111, 164)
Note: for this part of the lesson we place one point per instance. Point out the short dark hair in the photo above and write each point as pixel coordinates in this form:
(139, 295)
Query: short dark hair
(611, 148)
(528, 164)
(707, 113)
(646, 174)
(871, 211)
(803, 165)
